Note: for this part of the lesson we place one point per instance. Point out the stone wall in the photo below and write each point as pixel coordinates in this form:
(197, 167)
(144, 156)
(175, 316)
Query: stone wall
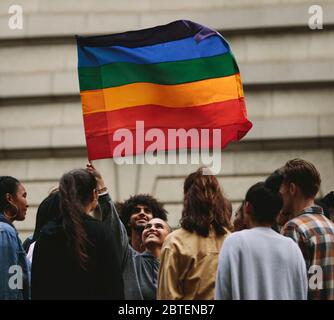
(287, 70)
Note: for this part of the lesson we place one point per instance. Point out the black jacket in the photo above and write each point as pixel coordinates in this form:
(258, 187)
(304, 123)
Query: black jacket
(57, 275)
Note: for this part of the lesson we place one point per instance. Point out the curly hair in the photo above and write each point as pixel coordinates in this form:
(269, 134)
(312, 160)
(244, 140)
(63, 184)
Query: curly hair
(204, 205)
(126, 208)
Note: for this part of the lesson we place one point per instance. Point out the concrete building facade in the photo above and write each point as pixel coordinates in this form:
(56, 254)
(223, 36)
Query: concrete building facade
(286, 67)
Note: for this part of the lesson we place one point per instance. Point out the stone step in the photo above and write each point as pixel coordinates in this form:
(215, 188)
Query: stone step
(73, 137)
(67, 20)
(66, 82)
(71, 6)
(261, 104)
(234, 187)
(252, 48)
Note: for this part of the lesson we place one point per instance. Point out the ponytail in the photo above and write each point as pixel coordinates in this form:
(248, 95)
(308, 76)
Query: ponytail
(75, 189)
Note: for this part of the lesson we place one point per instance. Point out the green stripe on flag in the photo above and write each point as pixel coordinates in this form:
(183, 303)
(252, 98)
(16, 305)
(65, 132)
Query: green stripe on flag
(167, 73)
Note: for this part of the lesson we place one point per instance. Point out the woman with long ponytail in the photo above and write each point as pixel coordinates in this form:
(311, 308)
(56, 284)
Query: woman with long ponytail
(75, 256)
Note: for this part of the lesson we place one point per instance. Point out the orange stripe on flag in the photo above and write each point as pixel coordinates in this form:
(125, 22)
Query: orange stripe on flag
(172, 96)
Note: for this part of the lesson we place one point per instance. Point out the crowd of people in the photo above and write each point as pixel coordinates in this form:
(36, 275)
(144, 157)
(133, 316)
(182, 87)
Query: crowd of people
(278, 245)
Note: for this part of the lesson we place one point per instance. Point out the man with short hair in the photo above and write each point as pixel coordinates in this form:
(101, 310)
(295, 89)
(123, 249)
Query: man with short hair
(259, 263)
(136, 212)
(309, 228)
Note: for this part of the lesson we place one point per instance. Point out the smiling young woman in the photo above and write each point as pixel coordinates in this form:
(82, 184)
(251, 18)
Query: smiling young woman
(154, 235)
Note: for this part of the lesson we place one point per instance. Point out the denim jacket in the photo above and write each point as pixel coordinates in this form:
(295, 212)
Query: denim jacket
(12, 261)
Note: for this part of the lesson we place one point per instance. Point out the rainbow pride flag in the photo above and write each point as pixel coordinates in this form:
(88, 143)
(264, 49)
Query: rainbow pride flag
(177, 76)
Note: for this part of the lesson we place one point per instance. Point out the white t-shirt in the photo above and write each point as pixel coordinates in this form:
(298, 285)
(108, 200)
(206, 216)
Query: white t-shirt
(260, 264)
(31, 251)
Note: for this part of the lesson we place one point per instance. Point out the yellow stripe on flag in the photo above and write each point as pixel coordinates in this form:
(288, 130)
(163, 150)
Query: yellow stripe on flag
(173, 96)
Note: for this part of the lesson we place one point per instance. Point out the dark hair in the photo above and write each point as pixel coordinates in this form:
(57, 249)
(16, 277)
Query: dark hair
(47, 211)
(327, 203)
(140, 199)
(274, 181)
(119, 207)
(75, 190)
(304, 175)
(7, 185)
(189, 181)
(204, 205)
(266, 203)
(239, 222)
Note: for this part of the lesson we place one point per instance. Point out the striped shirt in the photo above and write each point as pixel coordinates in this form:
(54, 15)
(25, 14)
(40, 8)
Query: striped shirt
(314, 233)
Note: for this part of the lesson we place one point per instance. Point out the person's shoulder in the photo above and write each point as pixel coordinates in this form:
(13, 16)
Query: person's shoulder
(8, 229)
(312, 215)
(285, 240)
(181, 235)
(146, 256)
(97, 228)
(239, 235)
(291, 249)
(296, 225)
(178, 233)
(92, 222)
(236, 239)
(177, 239)
(304, 222)
(294, 222)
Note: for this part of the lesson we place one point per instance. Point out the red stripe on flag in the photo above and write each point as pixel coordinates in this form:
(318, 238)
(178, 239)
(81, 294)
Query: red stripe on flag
(213, 115)
(229, 116)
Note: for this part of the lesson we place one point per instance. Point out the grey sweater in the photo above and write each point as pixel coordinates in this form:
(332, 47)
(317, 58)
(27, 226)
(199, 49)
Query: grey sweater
(140, 270)
(260, 264)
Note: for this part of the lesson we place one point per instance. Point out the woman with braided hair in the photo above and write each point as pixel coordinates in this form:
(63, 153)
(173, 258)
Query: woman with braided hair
(14, 267)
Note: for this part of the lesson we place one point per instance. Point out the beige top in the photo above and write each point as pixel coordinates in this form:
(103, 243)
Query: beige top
(188, 266)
